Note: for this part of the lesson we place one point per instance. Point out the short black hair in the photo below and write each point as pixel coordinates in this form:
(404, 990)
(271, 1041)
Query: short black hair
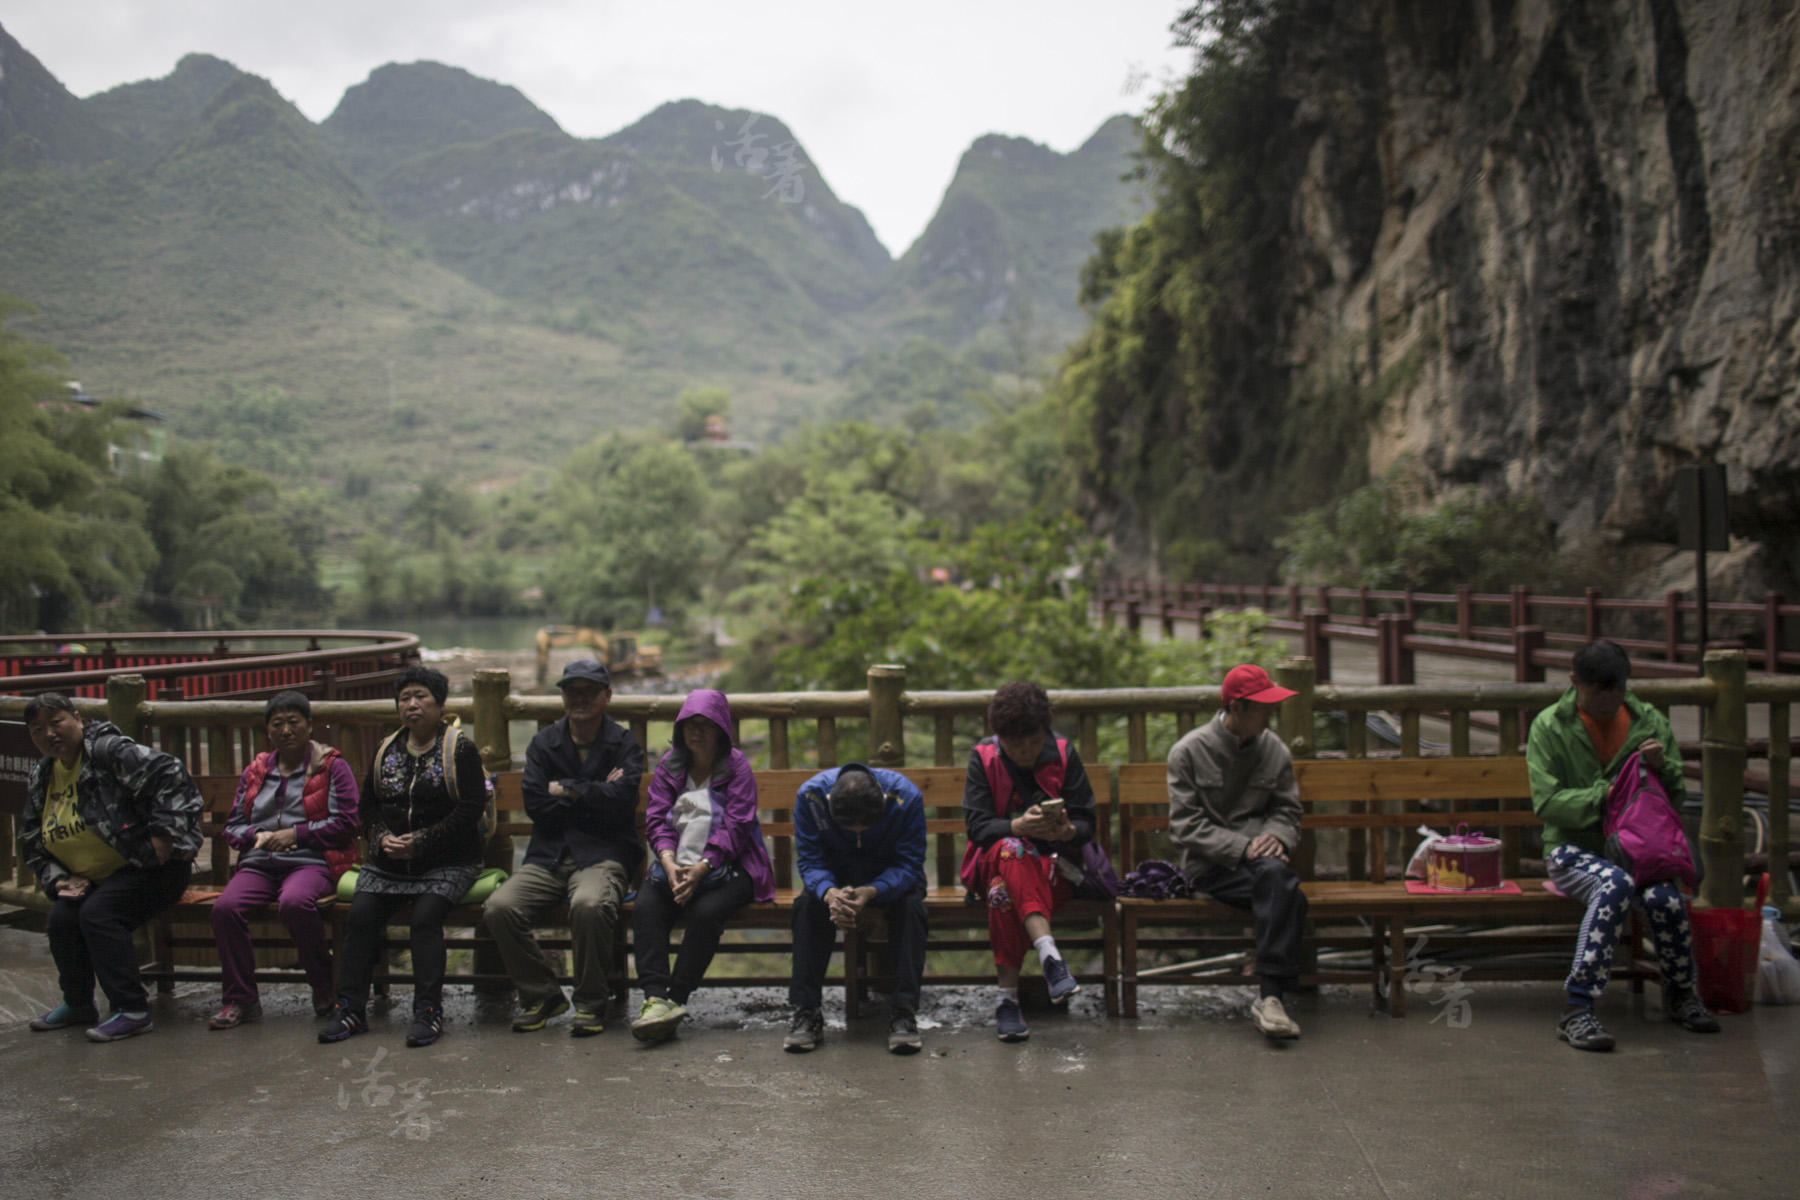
(432, 681)
(1601, 664)
(1019, 709)
(50, 702)
(856, 798)
(289, 701)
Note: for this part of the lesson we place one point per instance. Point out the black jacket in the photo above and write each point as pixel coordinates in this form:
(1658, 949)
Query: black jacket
(598, 823)
(405, 793)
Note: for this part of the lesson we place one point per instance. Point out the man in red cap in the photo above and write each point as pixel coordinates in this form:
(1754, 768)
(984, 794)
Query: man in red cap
(1234, 810)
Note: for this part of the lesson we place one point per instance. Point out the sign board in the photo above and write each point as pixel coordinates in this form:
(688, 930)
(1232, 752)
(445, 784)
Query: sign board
(1702, 508)
(17, 757)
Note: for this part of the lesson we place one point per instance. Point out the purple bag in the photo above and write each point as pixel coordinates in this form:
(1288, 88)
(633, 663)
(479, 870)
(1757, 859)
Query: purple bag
(1643, 831)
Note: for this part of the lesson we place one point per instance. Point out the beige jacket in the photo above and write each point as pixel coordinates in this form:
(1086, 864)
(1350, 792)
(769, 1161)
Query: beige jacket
(1223, 795)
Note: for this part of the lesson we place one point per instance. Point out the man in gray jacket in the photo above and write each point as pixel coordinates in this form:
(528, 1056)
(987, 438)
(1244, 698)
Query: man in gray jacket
(1234, 810)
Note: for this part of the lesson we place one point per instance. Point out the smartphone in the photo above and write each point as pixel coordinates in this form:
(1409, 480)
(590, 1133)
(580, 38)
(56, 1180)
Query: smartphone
(1051, 808)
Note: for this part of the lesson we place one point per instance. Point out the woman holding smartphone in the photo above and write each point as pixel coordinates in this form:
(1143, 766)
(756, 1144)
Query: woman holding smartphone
(1026, 802)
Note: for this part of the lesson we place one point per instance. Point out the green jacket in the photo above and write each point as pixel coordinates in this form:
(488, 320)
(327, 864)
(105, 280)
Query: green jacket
(1568, 781)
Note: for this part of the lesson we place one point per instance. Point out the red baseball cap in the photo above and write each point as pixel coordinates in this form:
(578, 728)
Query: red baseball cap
(1251, 682)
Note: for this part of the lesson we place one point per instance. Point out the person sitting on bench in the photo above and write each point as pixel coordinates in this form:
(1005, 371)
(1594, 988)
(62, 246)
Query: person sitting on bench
(710, 859)
(859, 833)
(1234, 810)
(293, 823)
(1027, 804)
(580, 789)
(1575, 749)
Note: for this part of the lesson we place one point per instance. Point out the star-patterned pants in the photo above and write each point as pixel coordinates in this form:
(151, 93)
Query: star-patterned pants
(1608, 892)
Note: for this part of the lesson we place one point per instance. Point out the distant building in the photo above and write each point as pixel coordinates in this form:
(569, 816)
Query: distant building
(141, 430)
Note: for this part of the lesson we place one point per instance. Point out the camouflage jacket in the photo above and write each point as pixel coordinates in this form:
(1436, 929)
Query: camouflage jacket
(127, 794)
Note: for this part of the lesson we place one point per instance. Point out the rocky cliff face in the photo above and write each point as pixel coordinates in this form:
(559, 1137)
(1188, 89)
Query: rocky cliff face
(1571, 230)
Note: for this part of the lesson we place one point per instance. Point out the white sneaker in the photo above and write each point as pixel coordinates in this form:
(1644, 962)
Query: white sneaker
(1271, 1020)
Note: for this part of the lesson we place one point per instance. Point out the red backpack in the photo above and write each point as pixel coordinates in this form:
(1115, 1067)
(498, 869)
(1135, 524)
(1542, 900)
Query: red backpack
(1643, 830)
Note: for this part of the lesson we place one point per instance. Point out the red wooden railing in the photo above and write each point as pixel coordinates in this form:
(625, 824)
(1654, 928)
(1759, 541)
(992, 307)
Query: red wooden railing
(1533, 632)
(327, 664)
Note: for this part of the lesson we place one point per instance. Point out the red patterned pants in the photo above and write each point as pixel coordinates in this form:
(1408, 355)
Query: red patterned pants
(1017, 881)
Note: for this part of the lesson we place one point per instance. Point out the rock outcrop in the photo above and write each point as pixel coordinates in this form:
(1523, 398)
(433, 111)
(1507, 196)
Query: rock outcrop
(1576, 223)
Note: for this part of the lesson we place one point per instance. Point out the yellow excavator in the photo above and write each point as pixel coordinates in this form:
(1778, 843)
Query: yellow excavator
(621, 652)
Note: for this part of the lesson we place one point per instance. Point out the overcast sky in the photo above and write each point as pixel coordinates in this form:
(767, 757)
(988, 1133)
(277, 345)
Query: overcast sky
(884, 99)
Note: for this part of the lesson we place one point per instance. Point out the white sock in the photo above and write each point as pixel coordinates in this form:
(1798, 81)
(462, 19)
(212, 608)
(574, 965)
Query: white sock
(1011, 993)
(136, 1016)
(1046, 948)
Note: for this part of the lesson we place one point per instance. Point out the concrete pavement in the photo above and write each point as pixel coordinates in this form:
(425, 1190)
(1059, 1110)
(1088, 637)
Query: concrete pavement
(1186, 1101)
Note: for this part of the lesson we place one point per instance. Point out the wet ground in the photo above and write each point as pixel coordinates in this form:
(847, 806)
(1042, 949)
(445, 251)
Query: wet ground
(1186, 1101)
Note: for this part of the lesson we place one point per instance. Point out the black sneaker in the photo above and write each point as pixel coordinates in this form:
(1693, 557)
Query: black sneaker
(346, 1022)
(1692, 1015)
(532, 1019)
(1009, 1022)
(1062, 984)
(1582, 1030)
(427, 1025)
(805, 1031)
(903, 1032)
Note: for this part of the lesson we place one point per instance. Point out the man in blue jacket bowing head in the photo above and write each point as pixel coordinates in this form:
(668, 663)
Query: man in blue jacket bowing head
(859, 833)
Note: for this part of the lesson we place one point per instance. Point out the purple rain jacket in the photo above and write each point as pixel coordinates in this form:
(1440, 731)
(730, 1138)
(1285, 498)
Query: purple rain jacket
(736, 835)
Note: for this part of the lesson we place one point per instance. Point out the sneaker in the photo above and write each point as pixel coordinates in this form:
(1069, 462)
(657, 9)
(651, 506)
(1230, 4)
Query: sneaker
(903, 1032)
(427, 1025)
(118, 1027)
(1010, 1022)
(1062, 984)
(64, 1017)
(1582, 1030)
(1271, 1019)
(1692, 1015)
(232, 1013)
(587, 1022)
(346, 1022)
(532, 1019)
(657, 1019)
(805, 1031)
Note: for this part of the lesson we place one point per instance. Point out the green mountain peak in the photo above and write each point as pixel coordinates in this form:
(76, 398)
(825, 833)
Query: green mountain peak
(406, 109)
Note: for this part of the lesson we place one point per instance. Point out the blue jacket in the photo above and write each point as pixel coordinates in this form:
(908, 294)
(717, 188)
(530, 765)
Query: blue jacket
(890, 856)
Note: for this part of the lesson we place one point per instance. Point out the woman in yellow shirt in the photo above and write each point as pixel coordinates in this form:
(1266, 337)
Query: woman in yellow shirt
(110, 828)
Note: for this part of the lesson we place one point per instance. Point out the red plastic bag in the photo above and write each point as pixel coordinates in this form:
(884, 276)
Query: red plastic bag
(1726, 942)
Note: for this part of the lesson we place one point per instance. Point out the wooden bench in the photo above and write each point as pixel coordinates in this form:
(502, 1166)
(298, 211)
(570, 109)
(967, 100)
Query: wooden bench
(1081, 925)
(1372, 800)
(187, 926)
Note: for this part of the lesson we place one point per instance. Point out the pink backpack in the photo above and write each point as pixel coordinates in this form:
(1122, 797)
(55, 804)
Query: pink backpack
(1643, 830)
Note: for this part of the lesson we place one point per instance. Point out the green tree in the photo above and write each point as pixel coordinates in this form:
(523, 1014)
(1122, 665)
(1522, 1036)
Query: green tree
(231, 546)
(696, 406)
(628, 511)
(69, 535)
(1014, 607)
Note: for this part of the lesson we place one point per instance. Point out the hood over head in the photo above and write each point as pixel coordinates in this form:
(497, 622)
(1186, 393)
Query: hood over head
(711, 704)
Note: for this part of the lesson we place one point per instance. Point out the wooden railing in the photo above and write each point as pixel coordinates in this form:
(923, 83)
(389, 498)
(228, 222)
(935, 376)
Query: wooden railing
(329, 664)
(1533, 632)
(884, 723)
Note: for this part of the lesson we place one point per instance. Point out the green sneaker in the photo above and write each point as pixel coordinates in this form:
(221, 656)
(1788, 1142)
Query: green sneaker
(587, 1022)
(532, 1019)
(657, 1020)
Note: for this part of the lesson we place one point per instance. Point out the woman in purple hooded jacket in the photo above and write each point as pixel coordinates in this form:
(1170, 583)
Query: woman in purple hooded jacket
(710, 859)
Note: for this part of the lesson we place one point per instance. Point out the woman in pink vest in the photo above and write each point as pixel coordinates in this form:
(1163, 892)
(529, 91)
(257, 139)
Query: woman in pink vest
(294, 825)
(1029, 810)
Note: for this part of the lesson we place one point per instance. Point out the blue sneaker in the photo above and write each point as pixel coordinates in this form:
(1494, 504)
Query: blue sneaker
(64, 1017)
(118, 1027)
(1062, 984)
(1011, 1022)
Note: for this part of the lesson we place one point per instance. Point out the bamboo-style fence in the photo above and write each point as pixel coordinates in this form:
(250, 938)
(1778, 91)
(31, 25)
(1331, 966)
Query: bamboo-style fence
(890, 726)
